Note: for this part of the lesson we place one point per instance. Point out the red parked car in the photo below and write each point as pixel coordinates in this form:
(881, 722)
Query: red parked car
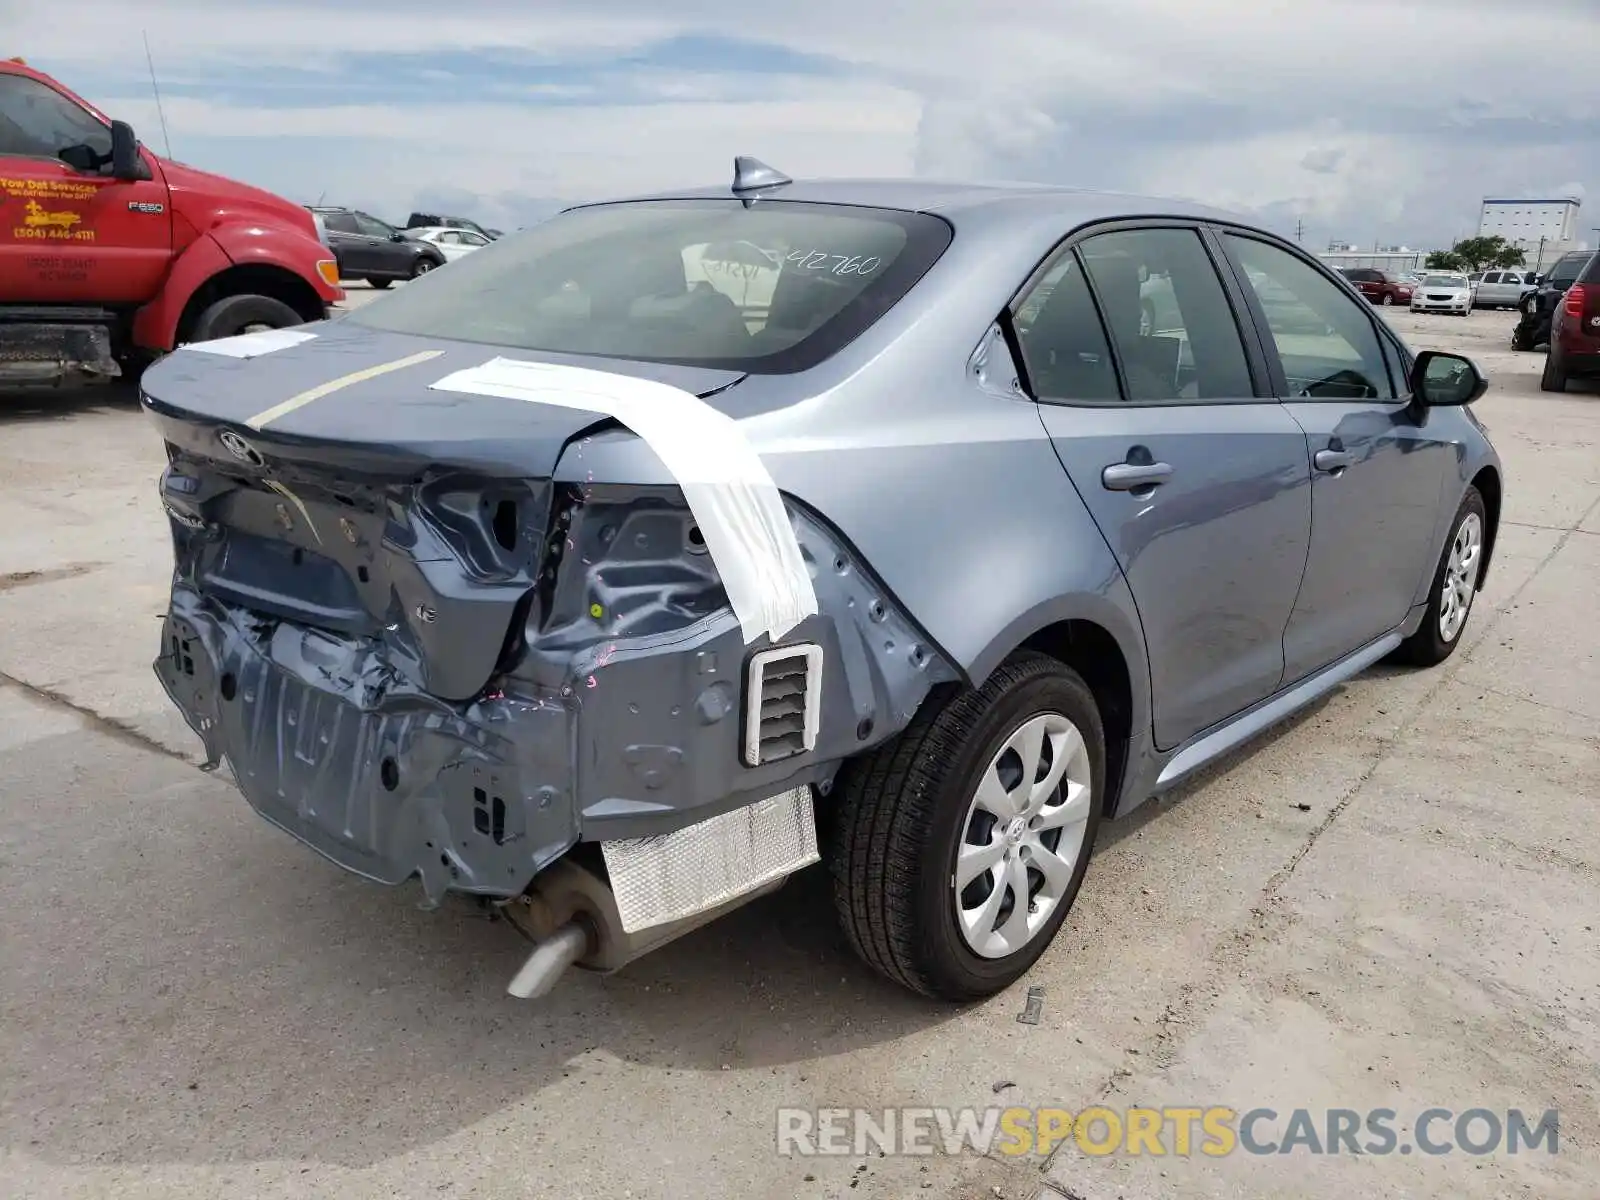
(1575, 331)
(1378, 286)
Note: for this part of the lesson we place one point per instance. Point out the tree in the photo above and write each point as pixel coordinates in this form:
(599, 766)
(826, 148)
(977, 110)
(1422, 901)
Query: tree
(1476, 254)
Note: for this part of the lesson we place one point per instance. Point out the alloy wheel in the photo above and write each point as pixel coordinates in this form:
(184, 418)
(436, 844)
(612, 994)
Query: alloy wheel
(1023, 834)
(1460, 581)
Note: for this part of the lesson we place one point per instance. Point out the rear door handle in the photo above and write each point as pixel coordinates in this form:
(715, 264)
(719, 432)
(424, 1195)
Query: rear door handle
(1130, 477)
(1333, 460)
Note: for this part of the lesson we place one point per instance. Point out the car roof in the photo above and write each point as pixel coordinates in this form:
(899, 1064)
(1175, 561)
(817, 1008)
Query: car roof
(965, 202)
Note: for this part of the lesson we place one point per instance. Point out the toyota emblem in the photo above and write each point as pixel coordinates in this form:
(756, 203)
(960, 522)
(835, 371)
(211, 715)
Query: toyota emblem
(239, 448)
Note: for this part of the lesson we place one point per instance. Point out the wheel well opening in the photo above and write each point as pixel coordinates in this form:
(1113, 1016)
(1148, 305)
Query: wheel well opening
(1094, 654)
(1487, 481)
(252, 279)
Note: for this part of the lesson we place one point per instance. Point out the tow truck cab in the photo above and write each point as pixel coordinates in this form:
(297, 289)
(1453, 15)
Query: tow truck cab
(111, 255)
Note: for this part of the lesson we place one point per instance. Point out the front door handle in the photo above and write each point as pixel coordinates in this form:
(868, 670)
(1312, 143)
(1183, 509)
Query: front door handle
(1333, 461)
(1130, 477)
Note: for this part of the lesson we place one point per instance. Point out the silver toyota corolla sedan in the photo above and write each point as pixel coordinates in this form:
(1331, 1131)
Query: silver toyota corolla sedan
(663, 549)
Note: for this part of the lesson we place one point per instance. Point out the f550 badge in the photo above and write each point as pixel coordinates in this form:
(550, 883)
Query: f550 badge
(145, 206)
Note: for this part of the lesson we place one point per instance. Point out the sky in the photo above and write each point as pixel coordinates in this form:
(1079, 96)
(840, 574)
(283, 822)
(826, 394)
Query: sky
(1358, 120)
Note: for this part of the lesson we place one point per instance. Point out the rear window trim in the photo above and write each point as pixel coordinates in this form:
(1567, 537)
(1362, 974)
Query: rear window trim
(850, 323)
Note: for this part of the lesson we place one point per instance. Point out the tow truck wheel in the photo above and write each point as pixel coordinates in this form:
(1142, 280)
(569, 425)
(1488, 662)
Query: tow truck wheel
(241, 314)
(959, 846)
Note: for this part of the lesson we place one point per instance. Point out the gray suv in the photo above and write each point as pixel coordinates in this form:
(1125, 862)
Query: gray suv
(614, 576)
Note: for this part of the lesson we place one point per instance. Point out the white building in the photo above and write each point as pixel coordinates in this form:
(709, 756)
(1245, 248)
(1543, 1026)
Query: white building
(1543, 230)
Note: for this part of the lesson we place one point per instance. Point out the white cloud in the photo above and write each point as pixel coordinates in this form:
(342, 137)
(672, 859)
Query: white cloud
(571, 152)
(1366, 118)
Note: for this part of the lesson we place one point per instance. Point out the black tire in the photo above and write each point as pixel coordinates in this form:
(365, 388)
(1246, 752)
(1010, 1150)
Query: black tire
(235, 314)
(422, 266)
(1428, 646)
(1521, 339)
(380, 284)
(1554, 378)
(1388, 300)
(902, 814)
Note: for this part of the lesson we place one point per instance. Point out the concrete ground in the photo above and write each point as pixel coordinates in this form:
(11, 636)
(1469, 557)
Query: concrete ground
(1391, 902)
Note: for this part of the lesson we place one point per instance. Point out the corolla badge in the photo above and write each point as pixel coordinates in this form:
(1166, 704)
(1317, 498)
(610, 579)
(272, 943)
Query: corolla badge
(239, 448)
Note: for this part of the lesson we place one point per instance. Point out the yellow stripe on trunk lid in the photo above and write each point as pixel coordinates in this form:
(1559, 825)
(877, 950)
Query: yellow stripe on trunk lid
(261, 419)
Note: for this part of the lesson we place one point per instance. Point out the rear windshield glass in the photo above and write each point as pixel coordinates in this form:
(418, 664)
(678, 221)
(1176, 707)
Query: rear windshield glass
(1566, 270)
(772, 288)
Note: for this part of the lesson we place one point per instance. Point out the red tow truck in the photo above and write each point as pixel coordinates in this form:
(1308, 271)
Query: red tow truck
(111, 255)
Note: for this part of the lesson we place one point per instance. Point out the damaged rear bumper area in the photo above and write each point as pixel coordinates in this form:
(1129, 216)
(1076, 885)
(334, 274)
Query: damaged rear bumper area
(622, 710)
(326, 743)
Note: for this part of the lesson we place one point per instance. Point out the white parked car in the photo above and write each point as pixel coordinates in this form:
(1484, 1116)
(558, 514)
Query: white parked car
(452, 243)
(1443, 291)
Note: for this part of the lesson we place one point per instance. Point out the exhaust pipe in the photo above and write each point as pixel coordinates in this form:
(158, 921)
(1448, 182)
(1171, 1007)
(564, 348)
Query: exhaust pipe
(549, 961)
(570, 914)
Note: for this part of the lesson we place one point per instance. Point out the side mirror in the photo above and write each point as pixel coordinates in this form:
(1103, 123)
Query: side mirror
(80, 158)
(125, 162)
(1440, 380)
(397, 236)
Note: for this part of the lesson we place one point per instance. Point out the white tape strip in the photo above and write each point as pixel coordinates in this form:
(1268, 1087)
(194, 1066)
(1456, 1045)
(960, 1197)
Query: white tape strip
(252, 345)
(728, 488)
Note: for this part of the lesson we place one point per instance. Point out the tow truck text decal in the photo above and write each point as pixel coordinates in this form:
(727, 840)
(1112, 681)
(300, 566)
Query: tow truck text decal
(47, 213)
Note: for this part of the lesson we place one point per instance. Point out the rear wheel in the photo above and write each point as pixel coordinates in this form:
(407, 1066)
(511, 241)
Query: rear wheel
(1554, 378)
(234, 315)
(421, 267)
(1455, 584)
(960, 846)
(380, 284)
(1387, 300)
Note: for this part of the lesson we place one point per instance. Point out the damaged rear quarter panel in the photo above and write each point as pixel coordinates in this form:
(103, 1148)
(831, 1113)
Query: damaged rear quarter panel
(660, 701)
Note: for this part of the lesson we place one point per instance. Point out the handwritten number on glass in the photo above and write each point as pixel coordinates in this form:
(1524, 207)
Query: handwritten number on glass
(836, 264)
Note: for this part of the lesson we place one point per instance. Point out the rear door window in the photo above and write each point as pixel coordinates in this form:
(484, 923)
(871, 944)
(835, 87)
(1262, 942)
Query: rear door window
(1169, 317)
(773, 288)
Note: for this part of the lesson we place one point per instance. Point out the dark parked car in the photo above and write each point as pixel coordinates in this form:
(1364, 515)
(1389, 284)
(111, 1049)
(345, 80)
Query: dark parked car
(1538, 308)
(420, 220)
(374, 250)
(617, 574)
(1380, 287)
(1575, 330)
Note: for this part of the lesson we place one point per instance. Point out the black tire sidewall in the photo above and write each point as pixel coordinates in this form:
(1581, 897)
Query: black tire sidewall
(1554, 376)
(1049, 688)
(231, 314)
